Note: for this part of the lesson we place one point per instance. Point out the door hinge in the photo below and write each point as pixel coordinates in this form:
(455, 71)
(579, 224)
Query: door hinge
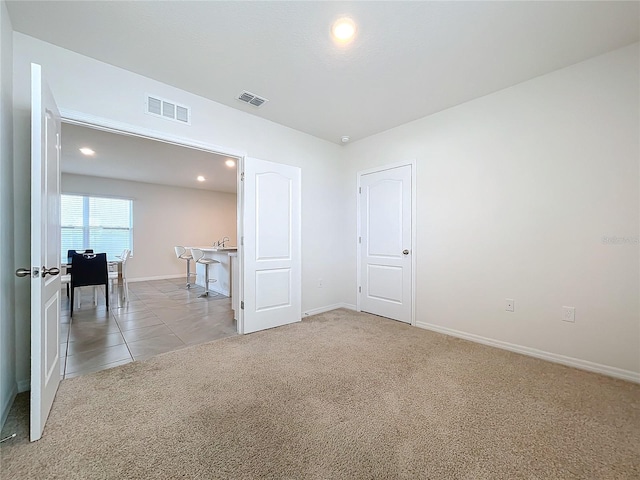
(359, 189)
(359, 239)
(359, 289)
(242, 305)
(242, 177)
(241, 241)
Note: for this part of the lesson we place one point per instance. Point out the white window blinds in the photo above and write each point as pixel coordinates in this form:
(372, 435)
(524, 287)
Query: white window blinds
(102, 224)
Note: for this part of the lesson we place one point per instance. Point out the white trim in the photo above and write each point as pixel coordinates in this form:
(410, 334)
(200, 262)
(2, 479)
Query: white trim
(4, 413)
(24, 385)
(532, 352)
(327, 308)
(78, 118)
(414, 218)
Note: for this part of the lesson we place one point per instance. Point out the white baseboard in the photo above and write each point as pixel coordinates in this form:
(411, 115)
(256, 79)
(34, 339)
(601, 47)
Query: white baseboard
(159, 277)
(532, 352)
(24, 385)
(6, 405)
(328, 308)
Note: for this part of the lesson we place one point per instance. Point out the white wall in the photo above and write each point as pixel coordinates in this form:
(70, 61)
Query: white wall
(163, 217)
(515, 194)
(82, 84)
(7, 267)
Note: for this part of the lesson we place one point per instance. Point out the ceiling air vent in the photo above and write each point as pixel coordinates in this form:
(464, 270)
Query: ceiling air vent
(251, 99)
(160, 107)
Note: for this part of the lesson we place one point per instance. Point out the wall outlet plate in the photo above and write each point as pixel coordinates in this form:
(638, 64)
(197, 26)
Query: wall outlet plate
(510, 305)
(569, 314)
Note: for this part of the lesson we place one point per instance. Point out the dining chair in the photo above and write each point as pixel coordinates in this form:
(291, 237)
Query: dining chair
(89, 270)
(70, 254)
(121, 266)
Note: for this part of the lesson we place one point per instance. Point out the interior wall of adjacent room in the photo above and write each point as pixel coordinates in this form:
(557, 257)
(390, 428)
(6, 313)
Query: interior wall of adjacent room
(530, 193)
(163, 217)
(7, 267)
(85, 85)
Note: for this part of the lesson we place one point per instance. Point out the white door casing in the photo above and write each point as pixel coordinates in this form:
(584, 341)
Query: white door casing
(45, 251)
(271, 247)
(385, 234)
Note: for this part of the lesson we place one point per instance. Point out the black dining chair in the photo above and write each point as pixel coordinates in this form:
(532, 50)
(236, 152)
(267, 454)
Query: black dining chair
(89, 270)
(70, 254)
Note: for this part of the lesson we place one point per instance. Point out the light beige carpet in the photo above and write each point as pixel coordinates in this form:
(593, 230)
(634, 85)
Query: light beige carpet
(341, 395)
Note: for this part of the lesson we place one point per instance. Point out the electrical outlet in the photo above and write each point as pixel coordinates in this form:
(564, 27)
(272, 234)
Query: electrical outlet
(510, 305)
(569, 314)
(320, 283)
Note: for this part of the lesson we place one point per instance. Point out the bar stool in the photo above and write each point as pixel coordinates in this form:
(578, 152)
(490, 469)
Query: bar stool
(182, 253)
(198, 257)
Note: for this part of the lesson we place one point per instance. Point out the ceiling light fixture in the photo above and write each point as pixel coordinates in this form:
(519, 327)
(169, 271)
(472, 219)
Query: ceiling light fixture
(87, 151)
(200, 178)
(343, 30)
(345, 138)
(230, 163)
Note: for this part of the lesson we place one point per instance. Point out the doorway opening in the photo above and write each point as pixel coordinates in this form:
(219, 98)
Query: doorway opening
(182, 194)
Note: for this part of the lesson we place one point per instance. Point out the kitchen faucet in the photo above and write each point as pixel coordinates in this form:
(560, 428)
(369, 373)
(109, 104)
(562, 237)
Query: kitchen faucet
(222, 242)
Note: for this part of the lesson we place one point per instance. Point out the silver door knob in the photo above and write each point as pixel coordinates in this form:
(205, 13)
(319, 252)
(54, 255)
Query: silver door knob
(50, 271)
(23, 272)
(405, 252)
(28, 272)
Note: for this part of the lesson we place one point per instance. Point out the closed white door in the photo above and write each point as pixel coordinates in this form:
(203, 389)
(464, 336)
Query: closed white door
(45, 251)
(271, 246)
(385, 243)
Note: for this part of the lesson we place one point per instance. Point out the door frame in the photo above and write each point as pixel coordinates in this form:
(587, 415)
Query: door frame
(74, 117)
(414, 249)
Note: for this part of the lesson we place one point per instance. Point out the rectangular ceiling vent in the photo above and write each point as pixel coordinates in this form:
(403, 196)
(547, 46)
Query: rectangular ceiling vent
(251, 99)
(167, 109)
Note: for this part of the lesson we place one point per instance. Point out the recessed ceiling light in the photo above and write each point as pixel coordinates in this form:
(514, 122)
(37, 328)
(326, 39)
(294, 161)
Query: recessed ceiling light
(343, 30)
(200, 178)
(230, 163)
(87, 151)
(345, 138)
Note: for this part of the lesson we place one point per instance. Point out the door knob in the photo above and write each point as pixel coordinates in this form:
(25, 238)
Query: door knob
(26, 272)
(405, 252)
(50, 271)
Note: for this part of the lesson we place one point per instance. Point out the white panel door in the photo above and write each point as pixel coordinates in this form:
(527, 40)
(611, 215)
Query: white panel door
(385, 243)
(45, 251)
(272, 256)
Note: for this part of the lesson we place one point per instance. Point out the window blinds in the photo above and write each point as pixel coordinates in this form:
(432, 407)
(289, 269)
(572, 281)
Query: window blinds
(102, 224)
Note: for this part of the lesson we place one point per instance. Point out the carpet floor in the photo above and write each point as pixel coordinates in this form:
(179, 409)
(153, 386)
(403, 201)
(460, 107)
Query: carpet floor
(341, 395)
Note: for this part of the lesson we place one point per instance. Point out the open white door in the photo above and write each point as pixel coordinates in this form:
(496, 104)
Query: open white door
(385, 225)
(271, 249)
(45, 251)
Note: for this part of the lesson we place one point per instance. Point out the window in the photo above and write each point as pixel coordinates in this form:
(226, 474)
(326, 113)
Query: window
(102, 224)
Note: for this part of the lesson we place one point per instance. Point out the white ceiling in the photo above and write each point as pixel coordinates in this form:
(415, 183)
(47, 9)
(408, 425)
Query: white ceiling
(143, 160)
(408, 60)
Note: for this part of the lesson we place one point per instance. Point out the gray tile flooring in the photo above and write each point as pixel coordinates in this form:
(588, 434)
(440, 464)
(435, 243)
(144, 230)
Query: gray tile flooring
(159, 316)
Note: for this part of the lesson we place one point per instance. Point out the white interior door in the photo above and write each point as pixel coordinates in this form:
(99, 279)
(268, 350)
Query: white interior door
(272, 257)
(45, 251)
(386, 243)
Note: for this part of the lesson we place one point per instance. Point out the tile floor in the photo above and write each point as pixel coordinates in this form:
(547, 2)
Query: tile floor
(159, 316)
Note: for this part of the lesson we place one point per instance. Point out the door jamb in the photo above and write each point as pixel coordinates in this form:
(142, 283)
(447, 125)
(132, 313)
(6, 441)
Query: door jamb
(79, 118)
(382, 168)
